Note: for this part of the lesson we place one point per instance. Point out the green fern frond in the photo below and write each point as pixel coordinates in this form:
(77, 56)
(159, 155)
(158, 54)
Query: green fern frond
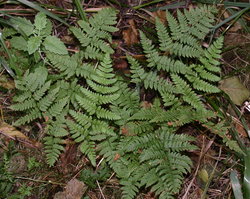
(92, 101)
(175, 116)
(91, 52)
(154, 81)
(106, 114)
(202, 85)
(85, 70)
(129, 188)
(40, 92)
(107, 149)
(57, 108)
(204, 74)
(146, 113)
(101, 88)
(129, 99)
(132, 119)
(66, 64)
(109, 15)
(82, 119)
(169, 99)
(88, 148)
(162, 165)
(184, 27)
(211, 56)
(189, 95)
(99, 98)
(137, 128)
(102, 80)
(138, 73)
(78, 132)
(94, 33)
(161, 62)
(22, 97)
(200, 19)
(57, 129)
(87, 104)
(46, 101)
(53, 148)
(221, 130)
(30, 116)
(22, 106)
(35, 80)
(186, 46)
(163, 36)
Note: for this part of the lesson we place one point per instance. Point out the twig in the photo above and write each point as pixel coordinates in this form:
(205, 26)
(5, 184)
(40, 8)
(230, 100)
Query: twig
(100, 189)
(42, 181)
(247, 63)
(99, 162)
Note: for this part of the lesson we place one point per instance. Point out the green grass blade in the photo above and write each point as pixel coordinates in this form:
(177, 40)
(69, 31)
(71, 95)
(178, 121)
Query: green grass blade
(234, 16)
(80, 10)
(116, 2)
(241, 20)
(146, 4)
(236, 185)
(170, 6)
(246, 181)
(40, 9)
(226, 3)
(17, 28)
(4, 64)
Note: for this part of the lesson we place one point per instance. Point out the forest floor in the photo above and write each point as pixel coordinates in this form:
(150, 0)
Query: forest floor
(212, 164)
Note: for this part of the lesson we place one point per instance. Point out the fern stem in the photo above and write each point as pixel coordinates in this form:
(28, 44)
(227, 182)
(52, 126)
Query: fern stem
(80, 10)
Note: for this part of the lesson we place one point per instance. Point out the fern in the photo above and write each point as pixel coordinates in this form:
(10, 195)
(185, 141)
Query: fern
(94, 34)
(90, 126)
(53, 149)
(70, 66)
(80, 97)
(169, 70)
(221, 130)
(159, 165)
(42, 99)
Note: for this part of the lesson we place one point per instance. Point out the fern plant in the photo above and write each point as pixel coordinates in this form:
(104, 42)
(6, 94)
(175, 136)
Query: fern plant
(40, 98)
(54, 96)
(80, 97)
(94, 33)
(147, 153)
(92, 124)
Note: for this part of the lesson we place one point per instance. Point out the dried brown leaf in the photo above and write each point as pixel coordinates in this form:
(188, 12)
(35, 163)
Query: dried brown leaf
(131, 34)
(161, 15)
(12, 133)
(121, 64)
(235, 90)
(6, 83)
